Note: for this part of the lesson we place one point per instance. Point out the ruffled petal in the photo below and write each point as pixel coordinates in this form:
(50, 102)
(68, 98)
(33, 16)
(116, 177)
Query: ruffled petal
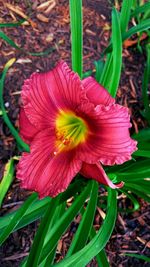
(109, 140)
(44, 94)
(96, 172)
(43, 171)
(96, 93)
(27, 130)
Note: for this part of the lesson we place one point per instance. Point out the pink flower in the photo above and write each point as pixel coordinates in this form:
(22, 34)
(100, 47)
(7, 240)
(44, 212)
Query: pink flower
(71, 126)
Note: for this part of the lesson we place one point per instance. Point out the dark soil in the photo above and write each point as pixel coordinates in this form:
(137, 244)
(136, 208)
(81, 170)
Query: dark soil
(44, 31)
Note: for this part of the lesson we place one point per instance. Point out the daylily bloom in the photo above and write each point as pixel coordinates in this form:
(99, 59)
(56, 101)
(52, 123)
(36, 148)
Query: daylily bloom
(71, 126)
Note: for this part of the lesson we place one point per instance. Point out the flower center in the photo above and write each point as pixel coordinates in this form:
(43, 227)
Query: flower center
(71, 130)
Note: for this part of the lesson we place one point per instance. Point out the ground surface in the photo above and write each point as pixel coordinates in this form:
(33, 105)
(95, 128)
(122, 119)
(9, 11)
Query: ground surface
(51, 30)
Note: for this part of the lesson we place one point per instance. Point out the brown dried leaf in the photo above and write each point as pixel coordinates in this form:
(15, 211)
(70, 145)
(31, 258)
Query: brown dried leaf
(48, 10)
(42, 18)
(20, 12)
(44, 5)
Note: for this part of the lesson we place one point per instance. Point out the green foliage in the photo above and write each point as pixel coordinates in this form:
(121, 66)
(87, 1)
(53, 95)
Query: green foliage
(86, 223)
(4, 113)
(145, 83)
(76, 35)
(7, 179)
(116, 53)
(82, 257)
(137, 256)
(16, 219)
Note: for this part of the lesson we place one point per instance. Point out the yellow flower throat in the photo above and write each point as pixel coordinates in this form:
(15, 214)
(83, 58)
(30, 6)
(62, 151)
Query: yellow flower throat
(71, 130)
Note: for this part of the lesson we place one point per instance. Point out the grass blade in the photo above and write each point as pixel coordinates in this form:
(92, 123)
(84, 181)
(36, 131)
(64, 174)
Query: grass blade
(16, 219)
(107, 71)
(76, 35)
(39, 239)
(99, 65)
(143, 26)
(101, 256)
(140, 9)
(82, 257)
(60, 227)
(85, 225)
(4, 113)
(7, 179)
(125, 14)
(117, 53)
(37, 209)
(12, 24)
(13, 44)
(137, 256)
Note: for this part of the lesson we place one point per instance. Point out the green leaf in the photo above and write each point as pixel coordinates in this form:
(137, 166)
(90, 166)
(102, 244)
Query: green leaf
(134, 201)
(8, 40)
(107, 71)
(37, 209)
(60, 226)
(34, 212)
(4, 113)
(142, 153)
(143, 135)
(145, 83)
(7, 179)
(13, 44)
(125, 14)
(140, 9)
(143, 26)
(39, 239)
(101, 257)
(137, 256)
(99, 65)
(76, 35)
(12, 24)
(117, 53)
(82, 257)
(16, 219)
(85, 225)
(57, 215)
(139, 193)
(139, 186)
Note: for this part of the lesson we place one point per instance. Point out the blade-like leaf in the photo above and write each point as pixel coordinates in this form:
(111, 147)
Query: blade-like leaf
(58, 213)
(82, 257)
(39, 239)
(107, 71)
(60, 226)
(85, 225)
(101, 256)
(117, 53)
(2, 106)
(125, 14)
(16, 219)
(38, 208)
(12, 24)
(13, 44)
(140, 9)
(137, 256)
(7, 179)
(99, 65)
(76, 35)
(143, 135)
(143, 26)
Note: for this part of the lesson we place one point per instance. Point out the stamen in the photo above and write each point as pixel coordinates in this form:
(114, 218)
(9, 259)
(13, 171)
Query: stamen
(71, 130)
